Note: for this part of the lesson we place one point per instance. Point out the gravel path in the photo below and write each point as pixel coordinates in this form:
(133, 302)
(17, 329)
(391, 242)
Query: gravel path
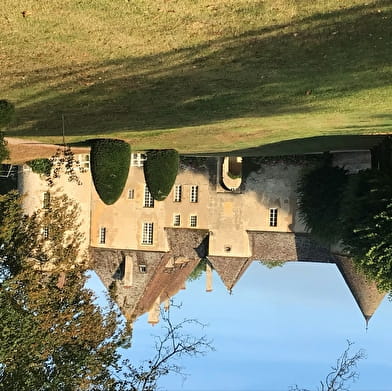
(22, 150)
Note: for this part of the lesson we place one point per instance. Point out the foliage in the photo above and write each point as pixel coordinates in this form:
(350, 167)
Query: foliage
(63, 161)
(40, 166)
(54, 335)
(160, 172)
(233, 176)
(110, 160)
(4, 153)
(17, 234)
(366, 224)
(7, 112)
(272, 264)
(376, 263)
(320, 192)
(342, 373)
(198, 270)
(382, 155)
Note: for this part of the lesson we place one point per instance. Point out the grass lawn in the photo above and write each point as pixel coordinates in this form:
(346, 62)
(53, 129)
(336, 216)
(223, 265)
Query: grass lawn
(197, 75)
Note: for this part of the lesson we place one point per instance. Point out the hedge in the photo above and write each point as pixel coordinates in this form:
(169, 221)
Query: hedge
(160, 172)
(41, 166)
(110, 160)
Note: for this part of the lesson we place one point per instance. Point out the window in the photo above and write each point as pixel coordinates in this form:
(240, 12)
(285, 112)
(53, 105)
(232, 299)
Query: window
(45, 233)
(46, 200)
(84, 161)
(138, 159)
(273, 217)
(148, 200)
(131, 194)
(147, 235)
(176, 220)
(102, 235)
(143, 269)
(177, 193)
(194, 193)
(193, 221)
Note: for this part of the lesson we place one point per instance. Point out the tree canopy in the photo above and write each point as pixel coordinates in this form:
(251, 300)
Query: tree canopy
(356, 210)
(320, 192)
(110, 160)
(160, 172)
(54, 335)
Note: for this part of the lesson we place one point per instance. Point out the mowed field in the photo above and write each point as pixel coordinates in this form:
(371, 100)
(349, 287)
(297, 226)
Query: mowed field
(196, 75)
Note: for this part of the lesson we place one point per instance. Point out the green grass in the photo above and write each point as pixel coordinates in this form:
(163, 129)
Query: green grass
(197, 76)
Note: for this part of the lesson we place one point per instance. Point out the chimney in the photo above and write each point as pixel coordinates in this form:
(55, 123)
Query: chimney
(208, 278)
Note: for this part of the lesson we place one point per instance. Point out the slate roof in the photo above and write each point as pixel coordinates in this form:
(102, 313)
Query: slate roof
(365, 292)
(230, 269)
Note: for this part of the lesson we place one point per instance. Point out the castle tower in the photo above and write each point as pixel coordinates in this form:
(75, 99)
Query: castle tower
(365, 292)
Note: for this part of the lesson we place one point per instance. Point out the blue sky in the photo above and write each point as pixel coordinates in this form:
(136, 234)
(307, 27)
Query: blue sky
(281, 327)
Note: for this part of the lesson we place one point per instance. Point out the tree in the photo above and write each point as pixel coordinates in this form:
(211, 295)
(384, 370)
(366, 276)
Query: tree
(110, 160)
(174, 344)
(366, 224)
(54, 336)
(320, 192)
(160, 172)
(198, 270)
(7, 112)
(343, 373)
(4, 153)
(41, 166)
(376, 263)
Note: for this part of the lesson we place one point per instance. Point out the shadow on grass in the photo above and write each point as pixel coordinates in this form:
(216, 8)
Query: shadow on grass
(310, 145)
(258, 74)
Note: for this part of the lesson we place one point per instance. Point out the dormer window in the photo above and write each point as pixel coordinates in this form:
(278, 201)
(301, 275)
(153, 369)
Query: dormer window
(143, 269)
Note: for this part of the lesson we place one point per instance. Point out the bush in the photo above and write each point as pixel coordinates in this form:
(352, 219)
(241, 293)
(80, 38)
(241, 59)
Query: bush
(7, 112)
(160, 172)
(40, 166)
(320, 193)
(4, 154)
(366, 216)
(110, 160)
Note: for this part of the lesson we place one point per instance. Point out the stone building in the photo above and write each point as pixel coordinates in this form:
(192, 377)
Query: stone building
(144, 250)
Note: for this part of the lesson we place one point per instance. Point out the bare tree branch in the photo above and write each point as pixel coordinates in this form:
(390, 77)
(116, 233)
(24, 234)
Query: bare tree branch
(342, 374)
(175, 344)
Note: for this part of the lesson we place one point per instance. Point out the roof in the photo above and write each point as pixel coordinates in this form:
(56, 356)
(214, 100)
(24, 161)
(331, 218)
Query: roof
(187, 242)
(365, 292)
(287, 246)
(230, 269)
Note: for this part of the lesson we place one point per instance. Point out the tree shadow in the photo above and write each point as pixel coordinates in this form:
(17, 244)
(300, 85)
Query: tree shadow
(311, 145)
(285, 69)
